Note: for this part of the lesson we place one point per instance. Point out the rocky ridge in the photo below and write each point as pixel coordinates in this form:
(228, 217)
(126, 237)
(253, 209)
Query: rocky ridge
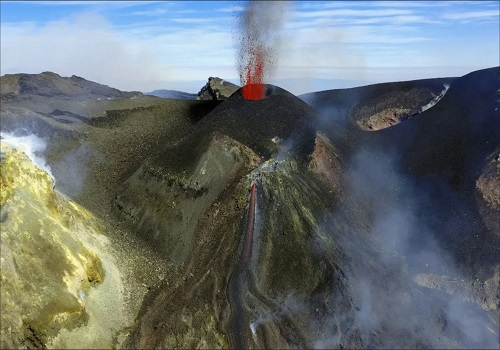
(216, 89)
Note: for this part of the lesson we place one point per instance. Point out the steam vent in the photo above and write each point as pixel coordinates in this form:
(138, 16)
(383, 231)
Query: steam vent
(355, 218)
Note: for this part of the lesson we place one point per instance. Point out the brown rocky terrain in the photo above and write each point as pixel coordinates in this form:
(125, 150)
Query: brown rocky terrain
(488, 183)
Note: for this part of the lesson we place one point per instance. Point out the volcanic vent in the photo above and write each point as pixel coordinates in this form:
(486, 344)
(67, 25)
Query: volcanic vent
(278, 113)
(260, 27)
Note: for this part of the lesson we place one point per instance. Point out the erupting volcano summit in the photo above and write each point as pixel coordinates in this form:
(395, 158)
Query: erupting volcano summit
(260, 27)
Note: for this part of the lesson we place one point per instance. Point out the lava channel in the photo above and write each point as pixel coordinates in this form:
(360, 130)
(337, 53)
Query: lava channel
(247, 247)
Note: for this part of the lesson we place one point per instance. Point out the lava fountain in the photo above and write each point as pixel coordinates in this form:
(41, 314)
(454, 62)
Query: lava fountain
(261, 23)
(253, 87)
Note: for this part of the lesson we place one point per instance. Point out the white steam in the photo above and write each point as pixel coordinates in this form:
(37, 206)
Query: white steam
(73, 168)
(391, 310)
(436, 98)
(32, 145)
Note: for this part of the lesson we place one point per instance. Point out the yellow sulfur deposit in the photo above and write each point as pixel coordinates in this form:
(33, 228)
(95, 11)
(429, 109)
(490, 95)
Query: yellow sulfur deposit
(47, 264)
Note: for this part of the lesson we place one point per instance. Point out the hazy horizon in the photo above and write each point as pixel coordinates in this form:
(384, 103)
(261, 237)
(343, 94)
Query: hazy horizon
(175, 45)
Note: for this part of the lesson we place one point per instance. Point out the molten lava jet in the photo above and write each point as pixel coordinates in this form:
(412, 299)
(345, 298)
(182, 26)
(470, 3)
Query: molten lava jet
(253, 87)
(261, 24)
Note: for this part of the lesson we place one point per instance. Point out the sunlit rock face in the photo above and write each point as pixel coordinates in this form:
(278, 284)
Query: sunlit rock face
(51, 263)
(488, 183)
(395, 106)
(488, 192)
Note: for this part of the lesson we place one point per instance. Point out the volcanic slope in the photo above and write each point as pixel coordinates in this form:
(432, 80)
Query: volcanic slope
(315, 265)
(88, 156)
(429, 183)
(69, 100)
(465, 122)
(440, 152)
(220, 163)
(333, 218)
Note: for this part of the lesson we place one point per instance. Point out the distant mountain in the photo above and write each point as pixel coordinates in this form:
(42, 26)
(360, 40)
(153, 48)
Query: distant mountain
(179, 95)
(62, 99)
(50, 84)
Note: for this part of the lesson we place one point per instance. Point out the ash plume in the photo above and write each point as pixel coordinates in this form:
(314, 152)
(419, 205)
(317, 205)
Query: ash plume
(261, 24)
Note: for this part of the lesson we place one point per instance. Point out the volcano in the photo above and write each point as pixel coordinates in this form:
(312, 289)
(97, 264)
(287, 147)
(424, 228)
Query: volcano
(352, 218)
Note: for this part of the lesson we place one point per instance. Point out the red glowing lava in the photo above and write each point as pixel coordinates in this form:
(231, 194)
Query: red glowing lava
(253, 83)
(261, 23)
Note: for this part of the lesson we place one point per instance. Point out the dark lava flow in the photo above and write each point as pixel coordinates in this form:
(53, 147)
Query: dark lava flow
(238, 283)
(247, 248)
(249, 306)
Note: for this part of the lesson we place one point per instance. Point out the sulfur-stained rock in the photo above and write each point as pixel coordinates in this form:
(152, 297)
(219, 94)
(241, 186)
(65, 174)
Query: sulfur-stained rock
(41, 254)
(60, 286)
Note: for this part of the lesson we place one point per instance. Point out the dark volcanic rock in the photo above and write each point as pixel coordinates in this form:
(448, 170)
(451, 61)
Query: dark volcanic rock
(377, 106)
(359, 239)
(441, 153)
(217, 89)
(255, 123)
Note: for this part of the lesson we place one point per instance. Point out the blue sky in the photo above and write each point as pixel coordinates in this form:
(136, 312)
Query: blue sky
(146, 45)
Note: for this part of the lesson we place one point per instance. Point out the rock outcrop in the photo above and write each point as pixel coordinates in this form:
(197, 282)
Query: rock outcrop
(379, 106)
(44, 251)
(488, 183)
(394, 107)
(217, 89)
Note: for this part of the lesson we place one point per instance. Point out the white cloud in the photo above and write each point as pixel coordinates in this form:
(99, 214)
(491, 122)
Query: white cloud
(172, 46)
(231, 9)
(162, 9)
(344, 22)
(153, 12)
(351, 13)
(128, 58)
(374, 4)
(198, 20)
(114, 4)
(473, 15)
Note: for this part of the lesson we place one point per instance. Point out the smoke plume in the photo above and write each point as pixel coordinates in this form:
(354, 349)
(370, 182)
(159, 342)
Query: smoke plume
(385, 264)
(261, 24)
(32, 145)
